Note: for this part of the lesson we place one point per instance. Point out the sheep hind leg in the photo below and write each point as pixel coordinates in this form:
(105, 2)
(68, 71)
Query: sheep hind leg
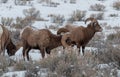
(42, 52)
(78, 46)
(27, 53)
(83, 50)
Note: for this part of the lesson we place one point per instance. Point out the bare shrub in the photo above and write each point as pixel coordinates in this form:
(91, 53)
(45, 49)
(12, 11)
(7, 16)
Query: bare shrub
(49, 3)
(22, 2)
(22, 22)
(4, 63)
(113, 15)
(50, 63)
(53, 27)
(7, 21)
(32, 14)
(97, 7)
(116, 5)
(3, 1)
(77, 15)
(20, 65)
(72, 1)
(70, 65)
(58, 19)
(110, 56)
(98, 16)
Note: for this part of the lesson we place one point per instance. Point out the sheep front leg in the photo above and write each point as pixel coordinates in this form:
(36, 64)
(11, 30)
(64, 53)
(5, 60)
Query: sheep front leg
(24, 51)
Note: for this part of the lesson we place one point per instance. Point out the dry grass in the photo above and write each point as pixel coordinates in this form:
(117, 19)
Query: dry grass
(77, 15)
(114, 38)
(98, 16)
(58, 19)
(7, 21)
(97, 7)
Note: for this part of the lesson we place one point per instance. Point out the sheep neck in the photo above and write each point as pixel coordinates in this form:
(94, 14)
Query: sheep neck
(55, 41)
(90, 32)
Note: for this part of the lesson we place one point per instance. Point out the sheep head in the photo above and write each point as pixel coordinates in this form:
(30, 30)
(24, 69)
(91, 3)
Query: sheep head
(94, 24)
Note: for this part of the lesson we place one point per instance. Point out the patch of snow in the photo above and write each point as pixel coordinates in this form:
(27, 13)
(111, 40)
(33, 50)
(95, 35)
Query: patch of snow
(16, 74)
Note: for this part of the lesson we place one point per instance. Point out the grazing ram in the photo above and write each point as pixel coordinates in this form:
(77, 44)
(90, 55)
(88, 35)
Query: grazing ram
(82, 35)
(42, 39)
(6, 42)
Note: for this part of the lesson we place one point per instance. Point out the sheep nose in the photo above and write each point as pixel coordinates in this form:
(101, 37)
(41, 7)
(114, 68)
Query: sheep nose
(101, 30)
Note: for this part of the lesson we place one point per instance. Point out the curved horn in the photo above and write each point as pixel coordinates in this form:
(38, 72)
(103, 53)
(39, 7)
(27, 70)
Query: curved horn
(89, 19)
(64, 30)
(65, 39)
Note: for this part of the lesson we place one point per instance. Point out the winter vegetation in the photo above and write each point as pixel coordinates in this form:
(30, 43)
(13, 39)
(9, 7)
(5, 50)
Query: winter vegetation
(102, 53)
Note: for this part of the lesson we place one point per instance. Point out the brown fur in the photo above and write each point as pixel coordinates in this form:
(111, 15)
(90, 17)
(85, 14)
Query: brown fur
(6, 42)
(41, 39)
(82, 35)
(67, 28)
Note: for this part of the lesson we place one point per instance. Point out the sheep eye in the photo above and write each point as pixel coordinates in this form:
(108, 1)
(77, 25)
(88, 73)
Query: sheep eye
(95, 24)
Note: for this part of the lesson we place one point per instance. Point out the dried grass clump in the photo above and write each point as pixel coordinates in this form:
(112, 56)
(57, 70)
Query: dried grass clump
(20, 65)
(3, 1)
(7, 21)
(4, 63)
(113, 15)
(32, 14)
(72, 1)
(23, 2)
(97, 7)
(58, 19)
(114, 38)
(49, 3)
(70, 65)
(110, 56)
(22, 22)
(98, 16)
(77, 15)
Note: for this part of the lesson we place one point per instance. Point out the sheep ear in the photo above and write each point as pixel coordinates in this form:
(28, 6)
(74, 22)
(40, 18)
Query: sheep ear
(92, 24)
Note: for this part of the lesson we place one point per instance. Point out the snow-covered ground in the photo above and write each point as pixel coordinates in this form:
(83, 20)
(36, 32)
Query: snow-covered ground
(11, 10)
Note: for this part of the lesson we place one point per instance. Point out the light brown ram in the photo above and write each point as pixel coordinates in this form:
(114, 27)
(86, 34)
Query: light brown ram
(82, 35)
(42, 39)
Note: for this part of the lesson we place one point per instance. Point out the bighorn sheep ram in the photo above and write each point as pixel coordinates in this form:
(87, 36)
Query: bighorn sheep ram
(82, 35)
(42, 39)
(6, 42)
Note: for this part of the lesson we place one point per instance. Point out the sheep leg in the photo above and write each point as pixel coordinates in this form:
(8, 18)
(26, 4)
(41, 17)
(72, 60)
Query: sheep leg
(78, 46)
(24, 51)
(47, 50)
(27, 53)
(83, 49)
(42, 52)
